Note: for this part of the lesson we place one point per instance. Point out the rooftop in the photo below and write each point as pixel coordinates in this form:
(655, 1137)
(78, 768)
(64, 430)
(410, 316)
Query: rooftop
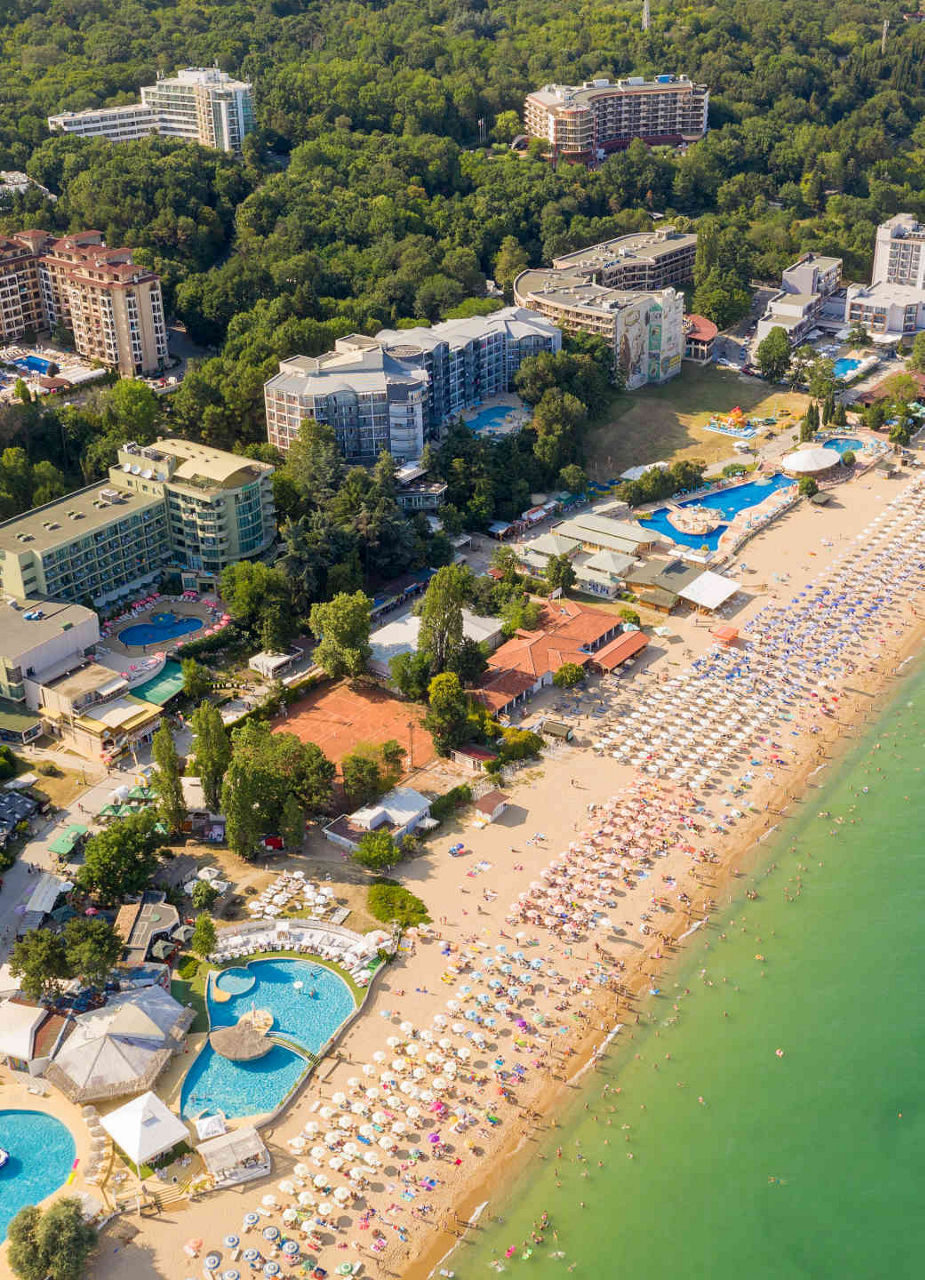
(93, 678)
(575, 288)
(74, 516)
(26, 624)
(566, 96)
(642, 246)
(187, 461)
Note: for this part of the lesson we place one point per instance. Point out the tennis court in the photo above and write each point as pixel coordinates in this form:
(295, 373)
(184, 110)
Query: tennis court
(338, 718)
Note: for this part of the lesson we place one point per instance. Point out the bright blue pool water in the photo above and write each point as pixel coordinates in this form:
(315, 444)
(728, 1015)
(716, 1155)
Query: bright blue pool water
(160, 628)
(729, 501)
(845, 367)
(41, 1156)
(34, 363)
(844, 444)
(493, 416)
(236, 982)
(252, 1088)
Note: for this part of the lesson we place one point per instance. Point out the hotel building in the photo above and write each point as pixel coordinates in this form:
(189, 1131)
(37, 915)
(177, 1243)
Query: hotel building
(644, 260)
(644, 328)
(397, 389)
(113, 307)
(198, 104)
(583, 122)
(174, 504)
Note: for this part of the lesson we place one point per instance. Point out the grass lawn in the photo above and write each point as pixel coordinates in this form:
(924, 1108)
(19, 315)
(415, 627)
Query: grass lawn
(666, 423)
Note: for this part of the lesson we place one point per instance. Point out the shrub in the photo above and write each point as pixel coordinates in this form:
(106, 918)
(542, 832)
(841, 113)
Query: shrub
(446, 804)
(519, 744)
(387, 901)
(630, 616)
(848, 458)
(188, 968)
(808, 487)
(48, 769)
(7, 762)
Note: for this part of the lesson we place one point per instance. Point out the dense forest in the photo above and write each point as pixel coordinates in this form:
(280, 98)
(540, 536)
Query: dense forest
(380, 186)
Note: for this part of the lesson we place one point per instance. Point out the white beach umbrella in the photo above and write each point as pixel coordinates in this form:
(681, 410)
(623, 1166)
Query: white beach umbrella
(413, 1113)
(393, 1042)
(379, 1117)
(320, 1180)
(336, 1163)
(407, 1029)
(379, 1056)
(354, 1083)
(345, 1122)
(306, 1198)
(318, 1153)
(269, 1202)
(445, 1043)
(373, 1092)
(367, 1069)
(325, 1112)
(302, 1171)
(339, 1099)
(358, 1108)
(412, 1050)
(311, 1127)
(341, 1194)
(351, 1150)
(287, 1187)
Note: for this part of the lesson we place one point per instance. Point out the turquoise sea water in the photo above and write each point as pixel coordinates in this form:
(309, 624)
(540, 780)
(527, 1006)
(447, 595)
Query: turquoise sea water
(805, 1166)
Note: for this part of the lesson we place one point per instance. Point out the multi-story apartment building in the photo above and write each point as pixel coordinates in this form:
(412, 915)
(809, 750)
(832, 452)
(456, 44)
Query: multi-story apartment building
(645, 329)
(583, 122)
(643, 260)
(899, 252)
(113, 307)
(198, 104)
(219, 505)
(172, 504)
(397, 389)
(809, 289)
(371, 402)
(40, 642)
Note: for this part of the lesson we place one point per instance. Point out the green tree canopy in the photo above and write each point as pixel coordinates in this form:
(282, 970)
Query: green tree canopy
(342, 627)
(197, 679)
(165, 780)
(204, 936)
(39, 961)
(120, 860)
(51, 1244)
(211, 752)
(377, 851)
(447, 713)
(773, 355)
(441, 633)
(93, 949)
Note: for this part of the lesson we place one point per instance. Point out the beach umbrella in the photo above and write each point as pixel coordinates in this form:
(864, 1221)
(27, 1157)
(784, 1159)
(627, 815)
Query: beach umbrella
(252, 1255)
(311, 1127)
(271, 1268)
(345, 1122)
(413, 1113)
(426, 1036)
(325, 1112)
(192, 1247)
(341, 1194)
(306, 1199)
(379, 1056)
(270, 1232)
(354, 1083)
(412, 1050)
(269, 1202)
(367, 1069)
(289, 1216)
(351, 1150)
(393, 1042)
(335, 1163)
(399, 1064)
(332, 1138)
(325, 1209)
(339, 1099)
(231, 1242)
(320, 1181)
(212, 1261)
(231, 1274)
(302, 1171)
(287, 1187)
(318, 1153)
(290, 1248)
(358, 1108)
(373, 1092)
(440, 1019)
(407, 1029)
(356, 1174)
(251, 1220)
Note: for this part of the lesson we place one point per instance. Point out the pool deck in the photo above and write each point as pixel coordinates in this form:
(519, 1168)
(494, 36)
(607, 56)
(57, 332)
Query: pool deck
(182, 608)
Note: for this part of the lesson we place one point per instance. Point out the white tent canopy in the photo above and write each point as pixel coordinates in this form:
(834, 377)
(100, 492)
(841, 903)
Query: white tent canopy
(144, 1128)
(809, 461)
(709, 591)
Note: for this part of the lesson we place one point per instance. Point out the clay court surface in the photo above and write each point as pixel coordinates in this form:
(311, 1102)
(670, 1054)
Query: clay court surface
(339, 718)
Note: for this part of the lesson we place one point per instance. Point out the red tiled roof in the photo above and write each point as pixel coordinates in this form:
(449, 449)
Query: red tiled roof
(625, 646)
(498, 688)
(490, 801)
(699, 328)
(565, 629)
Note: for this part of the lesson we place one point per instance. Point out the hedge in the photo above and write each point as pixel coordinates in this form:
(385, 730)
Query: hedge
(446, 804)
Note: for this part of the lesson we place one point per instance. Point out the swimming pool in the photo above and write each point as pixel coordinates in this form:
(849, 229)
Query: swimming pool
(729, 501)
(35, 364)
(845, 367)
(489, 418)
(306, 1020)
(159, 628)
(41, 1157)
(843, 444)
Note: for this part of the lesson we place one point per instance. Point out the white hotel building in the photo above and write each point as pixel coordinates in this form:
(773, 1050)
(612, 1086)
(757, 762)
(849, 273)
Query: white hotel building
(198, 104)
(396, 390)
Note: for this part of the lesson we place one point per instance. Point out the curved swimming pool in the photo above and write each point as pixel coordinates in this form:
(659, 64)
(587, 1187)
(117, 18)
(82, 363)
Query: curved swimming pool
(308, 1003)
(843, 444)
(729, 501)
(159, 628)
(41, 1151)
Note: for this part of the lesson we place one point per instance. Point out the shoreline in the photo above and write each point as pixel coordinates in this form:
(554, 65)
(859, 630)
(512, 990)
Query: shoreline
(500, 1182)
(607, 996)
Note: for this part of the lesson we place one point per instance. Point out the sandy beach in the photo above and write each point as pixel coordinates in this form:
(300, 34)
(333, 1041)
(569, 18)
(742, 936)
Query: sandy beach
(633, 859)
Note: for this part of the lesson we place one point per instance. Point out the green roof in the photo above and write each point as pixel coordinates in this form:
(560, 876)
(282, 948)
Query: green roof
(15, 718)
(162, 687)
